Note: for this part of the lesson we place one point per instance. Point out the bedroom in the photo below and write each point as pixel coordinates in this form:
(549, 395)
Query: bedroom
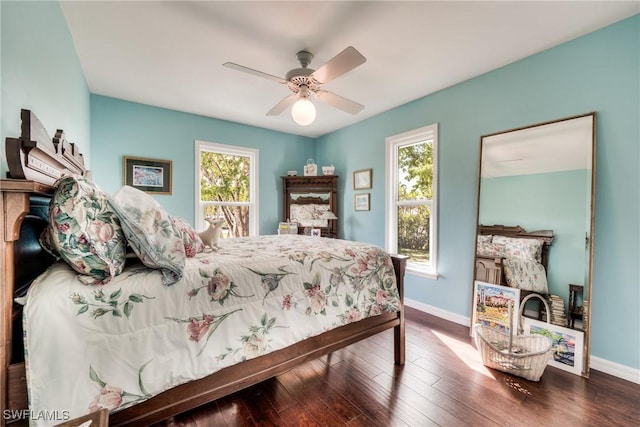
(568, 79)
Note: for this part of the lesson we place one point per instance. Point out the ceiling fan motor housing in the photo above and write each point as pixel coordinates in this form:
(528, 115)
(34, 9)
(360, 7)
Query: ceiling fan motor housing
(299, 77)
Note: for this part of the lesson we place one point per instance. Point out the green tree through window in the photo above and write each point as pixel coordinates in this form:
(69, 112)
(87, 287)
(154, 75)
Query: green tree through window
(415, 169)
(411, 202)
(226, 191)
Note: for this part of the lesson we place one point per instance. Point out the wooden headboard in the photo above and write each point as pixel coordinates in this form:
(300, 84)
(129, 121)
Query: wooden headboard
(35, 162)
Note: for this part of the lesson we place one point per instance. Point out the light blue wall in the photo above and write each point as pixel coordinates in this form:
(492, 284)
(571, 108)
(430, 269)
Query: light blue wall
(598, 72)
(120, 128)
(549, 201)
(41, 72)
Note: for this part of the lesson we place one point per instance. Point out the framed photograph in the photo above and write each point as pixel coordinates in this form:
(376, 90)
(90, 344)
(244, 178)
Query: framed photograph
(150, 175)
(315, 232)
(361, 202)
(362, 179)
(494, 304)
(568, 344)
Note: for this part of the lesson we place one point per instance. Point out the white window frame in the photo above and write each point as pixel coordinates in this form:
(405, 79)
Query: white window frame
(392, 145)
(253, 154)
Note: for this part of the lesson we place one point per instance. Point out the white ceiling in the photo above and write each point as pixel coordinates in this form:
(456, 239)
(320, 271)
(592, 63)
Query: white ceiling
(170, 53)
(559, 146)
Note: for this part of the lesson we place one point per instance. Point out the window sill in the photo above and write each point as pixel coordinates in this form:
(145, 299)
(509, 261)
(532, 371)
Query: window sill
(417, 271)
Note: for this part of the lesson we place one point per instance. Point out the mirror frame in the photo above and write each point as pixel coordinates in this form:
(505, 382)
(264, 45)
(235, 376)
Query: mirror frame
(589, 282)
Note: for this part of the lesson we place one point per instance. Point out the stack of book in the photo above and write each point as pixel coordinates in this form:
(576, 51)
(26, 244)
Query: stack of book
(558, 314)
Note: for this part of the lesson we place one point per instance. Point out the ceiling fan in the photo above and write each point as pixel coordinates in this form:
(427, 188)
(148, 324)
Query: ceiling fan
(304, 82)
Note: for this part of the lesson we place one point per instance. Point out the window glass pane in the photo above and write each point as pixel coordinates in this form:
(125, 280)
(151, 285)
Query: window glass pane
(415, 171)
(413, 232)
(224, 177)
(236, 220)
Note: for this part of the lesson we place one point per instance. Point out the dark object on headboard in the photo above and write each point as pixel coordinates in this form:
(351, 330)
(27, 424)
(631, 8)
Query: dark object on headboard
(27, 251)
(31, 261)
(36, 156)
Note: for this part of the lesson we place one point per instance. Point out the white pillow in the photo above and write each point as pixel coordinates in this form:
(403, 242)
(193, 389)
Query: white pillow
(150, 232)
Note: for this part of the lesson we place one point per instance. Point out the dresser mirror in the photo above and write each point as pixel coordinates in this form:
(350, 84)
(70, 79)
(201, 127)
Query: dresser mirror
(312, 203)
(537, 184)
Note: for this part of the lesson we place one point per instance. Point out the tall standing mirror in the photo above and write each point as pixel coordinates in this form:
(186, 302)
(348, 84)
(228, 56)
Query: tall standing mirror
(535, 227)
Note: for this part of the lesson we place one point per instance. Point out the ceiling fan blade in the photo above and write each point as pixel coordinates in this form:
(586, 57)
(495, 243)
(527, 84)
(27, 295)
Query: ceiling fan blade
(238, 67)
(282, 105)
(339, 102)
(346, 60)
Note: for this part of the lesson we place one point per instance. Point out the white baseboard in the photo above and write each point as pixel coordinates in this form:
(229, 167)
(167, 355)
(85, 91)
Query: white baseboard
(615, 369)
(438, 312)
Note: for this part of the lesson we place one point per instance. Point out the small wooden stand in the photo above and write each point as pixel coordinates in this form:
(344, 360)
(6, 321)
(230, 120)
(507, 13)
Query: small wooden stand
(576, 293)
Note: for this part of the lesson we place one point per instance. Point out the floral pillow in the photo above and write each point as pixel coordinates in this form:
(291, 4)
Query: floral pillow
(150, 232)
(483, 247)
(84, 231)
(529, 249)
(47, 244)
(526, 275)
(488, 248)
(192, 242)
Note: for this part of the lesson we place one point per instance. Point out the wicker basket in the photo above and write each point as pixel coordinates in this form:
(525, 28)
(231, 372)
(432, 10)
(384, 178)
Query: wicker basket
(523, 355)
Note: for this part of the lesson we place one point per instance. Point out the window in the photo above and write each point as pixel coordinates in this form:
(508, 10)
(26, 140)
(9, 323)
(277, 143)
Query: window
(226, 188)
(411, 198)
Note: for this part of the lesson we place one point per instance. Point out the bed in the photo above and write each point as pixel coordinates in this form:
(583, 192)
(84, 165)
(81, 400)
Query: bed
(512, 256)
(347, 290)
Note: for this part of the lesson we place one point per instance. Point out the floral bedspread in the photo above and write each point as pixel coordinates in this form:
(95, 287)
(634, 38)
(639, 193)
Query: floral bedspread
(111, 346)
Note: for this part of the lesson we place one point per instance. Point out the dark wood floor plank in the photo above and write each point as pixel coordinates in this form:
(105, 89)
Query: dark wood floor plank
(309, 388)
(377, 402)
(433, 412)
(298, 417)
(277, 395)
(442, 383)
(255, 400)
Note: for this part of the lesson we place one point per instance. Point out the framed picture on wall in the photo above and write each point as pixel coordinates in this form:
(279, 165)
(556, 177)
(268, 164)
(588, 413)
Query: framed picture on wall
(150, 175)
(362, 179)
(362, 202)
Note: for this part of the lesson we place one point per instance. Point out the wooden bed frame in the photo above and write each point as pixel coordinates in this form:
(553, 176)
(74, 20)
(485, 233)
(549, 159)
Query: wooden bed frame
(35, 161)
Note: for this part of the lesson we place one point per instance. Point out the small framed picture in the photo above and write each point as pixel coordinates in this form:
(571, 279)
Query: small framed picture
(150, 175)
(315, 232)
(496, 306)
(362, 179)
(361, 202)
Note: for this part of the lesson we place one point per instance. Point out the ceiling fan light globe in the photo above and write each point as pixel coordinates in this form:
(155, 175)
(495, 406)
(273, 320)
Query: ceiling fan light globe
(303, 112)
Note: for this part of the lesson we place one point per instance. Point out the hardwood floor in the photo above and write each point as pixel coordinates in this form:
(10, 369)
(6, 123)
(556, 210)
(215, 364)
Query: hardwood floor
(443, 383)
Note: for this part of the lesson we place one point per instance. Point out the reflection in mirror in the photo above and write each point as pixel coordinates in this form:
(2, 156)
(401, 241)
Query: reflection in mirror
(541, 178)
(308, 209)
